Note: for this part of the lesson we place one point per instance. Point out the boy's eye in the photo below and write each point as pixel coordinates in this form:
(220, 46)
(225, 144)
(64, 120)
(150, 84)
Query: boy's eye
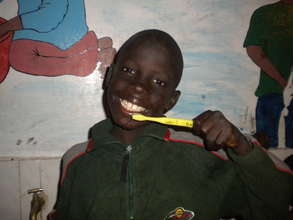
(129, 71)
(159, 82)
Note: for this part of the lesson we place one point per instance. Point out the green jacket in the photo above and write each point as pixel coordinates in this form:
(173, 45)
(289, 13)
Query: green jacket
(157, 173)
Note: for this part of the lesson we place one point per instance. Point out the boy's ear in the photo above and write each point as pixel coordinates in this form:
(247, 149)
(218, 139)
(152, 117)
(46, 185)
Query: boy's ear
(108, 77)
(173, 101)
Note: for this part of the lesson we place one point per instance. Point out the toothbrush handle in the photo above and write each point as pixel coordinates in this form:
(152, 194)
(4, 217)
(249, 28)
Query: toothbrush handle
(178, 122)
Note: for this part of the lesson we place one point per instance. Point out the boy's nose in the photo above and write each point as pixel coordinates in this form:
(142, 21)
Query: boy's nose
(139, 88)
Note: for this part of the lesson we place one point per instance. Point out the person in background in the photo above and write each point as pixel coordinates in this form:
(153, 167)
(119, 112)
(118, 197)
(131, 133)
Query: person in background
(269, 43)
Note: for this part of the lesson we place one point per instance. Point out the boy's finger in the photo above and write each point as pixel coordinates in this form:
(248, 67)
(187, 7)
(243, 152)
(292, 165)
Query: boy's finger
(199, 121)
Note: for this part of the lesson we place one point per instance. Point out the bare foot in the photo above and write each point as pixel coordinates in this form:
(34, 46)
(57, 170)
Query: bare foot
(106, 54)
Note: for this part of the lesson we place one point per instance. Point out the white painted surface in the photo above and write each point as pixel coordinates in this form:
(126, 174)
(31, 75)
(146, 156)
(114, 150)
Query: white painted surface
(18, 176)
(49, 182)
(29, 179)
(10, 190)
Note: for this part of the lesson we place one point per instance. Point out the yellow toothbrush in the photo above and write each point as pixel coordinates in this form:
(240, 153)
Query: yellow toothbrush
(170, 121)
(164, 120)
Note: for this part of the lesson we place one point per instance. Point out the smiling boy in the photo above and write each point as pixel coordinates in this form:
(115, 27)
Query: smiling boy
(142, 170)
(143, 80)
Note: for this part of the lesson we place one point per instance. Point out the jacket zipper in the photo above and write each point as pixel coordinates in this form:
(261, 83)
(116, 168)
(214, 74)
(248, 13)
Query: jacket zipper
(130, 184)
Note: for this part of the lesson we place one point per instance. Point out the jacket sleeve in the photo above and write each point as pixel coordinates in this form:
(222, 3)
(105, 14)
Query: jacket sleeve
(267, 190)
(46, 17)
(67, 174)
(65, 187)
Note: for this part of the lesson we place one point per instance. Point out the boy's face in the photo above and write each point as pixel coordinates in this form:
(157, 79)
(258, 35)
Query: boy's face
(143, 81)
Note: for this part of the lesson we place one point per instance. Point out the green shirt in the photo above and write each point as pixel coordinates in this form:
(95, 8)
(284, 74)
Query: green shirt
(271, 27)
(159, 173)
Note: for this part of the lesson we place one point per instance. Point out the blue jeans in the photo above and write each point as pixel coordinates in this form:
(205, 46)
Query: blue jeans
(268, 112)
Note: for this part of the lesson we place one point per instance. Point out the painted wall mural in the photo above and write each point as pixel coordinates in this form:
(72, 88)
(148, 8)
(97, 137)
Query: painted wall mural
(54, 40)
(41, 115)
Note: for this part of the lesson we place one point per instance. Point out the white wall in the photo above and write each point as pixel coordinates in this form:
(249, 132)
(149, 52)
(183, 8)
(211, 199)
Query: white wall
(18, 176)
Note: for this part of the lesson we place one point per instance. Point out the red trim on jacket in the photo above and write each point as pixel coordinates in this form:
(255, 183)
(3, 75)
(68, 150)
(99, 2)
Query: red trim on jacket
(278, 168)
(168, 134)
(90, 145)
(167, 138)
(284, 170)
(89, 148)
(68, 164)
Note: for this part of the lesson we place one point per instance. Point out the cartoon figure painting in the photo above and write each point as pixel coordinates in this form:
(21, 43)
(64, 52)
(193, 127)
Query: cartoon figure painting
(51, 38)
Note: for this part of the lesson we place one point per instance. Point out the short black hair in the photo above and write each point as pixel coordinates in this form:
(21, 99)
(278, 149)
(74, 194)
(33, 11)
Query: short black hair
(154, 37)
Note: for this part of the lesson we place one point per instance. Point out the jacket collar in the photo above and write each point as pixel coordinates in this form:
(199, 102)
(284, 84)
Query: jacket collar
(100, 133)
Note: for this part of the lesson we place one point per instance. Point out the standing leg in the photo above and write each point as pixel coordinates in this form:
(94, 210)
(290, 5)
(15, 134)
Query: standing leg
(268, 112)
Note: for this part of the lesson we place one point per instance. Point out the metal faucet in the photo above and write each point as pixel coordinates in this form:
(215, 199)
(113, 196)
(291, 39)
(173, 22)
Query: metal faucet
(37, 203)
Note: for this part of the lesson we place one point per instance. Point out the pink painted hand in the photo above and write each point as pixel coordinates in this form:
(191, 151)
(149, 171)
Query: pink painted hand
(106, 54)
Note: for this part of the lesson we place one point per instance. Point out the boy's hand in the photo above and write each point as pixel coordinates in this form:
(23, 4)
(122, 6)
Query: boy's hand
(217, 132)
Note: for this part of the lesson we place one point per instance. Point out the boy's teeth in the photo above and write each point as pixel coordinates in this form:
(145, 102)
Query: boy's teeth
(131, 107)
